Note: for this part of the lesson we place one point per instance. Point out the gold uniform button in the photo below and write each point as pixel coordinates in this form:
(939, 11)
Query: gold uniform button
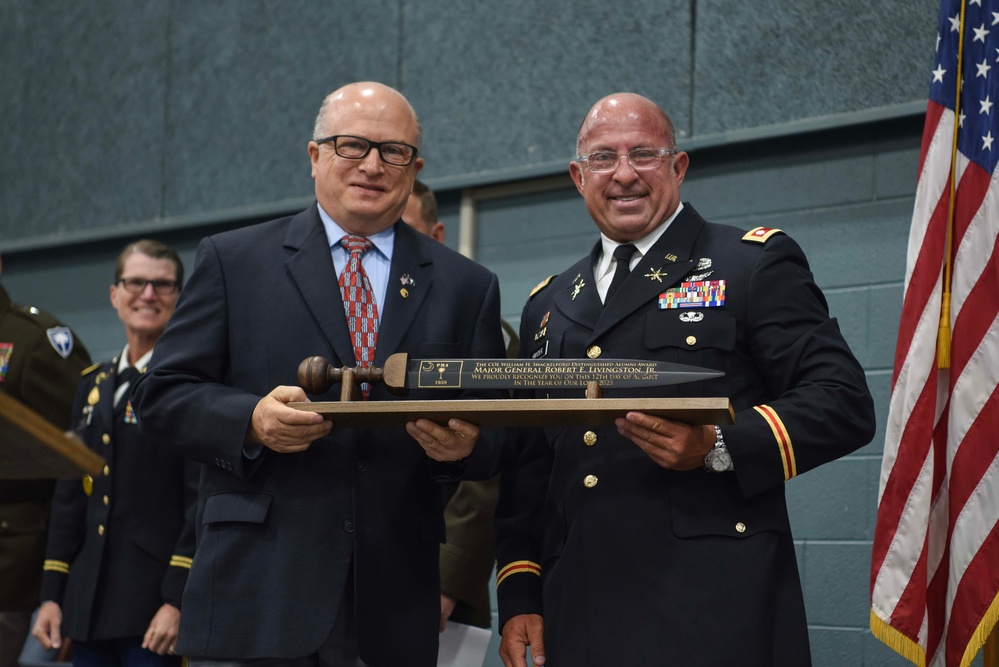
(740, 527)
(107, 501)
(590, 438)
(590, 481)
(100, 529)
(106, 439)
(88, 484)
(593, 351)
(107, 470)
(691, 340)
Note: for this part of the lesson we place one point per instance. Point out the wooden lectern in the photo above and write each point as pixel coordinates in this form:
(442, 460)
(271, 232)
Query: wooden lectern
(32, 448)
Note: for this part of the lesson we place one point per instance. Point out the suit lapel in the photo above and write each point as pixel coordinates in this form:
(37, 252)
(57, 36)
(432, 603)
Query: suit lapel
(576, 294)
(661, 268)
(411, 274)
(310, 264)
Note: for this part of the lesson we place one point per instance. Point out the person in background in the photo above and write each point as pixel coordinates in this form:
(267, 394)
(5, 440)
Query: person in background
(467, 560)
(40, 364)
(318, 544)
(121, 542)
(651, 541)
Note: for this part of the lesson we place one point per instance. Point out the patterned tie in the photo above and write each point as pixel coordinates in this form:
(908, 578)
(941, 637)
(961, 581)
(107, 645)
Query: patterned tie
(359, 304)
(622, 254)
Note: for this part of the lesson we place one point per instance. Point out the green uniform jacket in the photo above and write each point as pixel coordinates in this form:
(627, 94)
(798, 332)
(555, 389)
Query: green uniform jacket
(40, 364)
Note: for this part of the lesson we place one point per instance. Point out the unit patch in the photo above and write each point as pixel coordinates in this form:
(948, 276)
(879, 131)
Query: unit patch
(5, 351)
(61, 339)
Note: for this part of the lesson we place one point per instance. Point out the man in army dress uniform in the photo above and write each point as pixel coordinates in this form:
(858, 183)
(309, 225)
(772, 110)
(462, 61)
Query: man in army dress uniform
(121, 542)
(40, 364)
(662, 542)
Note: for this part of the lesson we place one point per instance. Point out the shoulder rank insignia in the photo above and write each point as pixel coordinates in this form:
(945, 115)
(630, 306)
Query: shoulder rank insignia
(540, 286)
(90, 369)
(761, 234)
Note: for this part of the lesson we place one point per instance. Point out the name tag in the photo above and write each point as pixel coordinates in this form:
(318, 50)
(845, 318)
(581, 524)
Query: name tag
(695, 294)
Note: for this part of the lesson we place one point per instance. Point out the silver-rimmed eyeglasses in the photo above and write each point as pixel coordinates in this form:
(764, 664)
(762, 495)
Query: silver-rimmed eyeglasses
(138, 285)
(394, 153)
(640, 159)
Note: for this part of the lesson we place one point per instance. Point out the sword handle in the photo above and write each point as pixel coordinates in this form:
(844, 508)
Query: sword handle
(317, 375)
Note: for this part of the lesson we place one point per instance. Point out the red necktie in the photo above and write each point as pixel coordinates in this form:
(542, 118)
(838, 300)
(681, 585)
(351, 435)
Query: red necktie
(359, 304)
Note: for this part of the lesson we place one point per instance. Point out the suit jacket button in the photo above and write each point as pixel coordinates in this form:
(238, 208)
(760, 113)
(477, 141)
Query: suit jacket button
(590, 481)
(360, 466)
(590, 438)
(348, 526)
(593, 351)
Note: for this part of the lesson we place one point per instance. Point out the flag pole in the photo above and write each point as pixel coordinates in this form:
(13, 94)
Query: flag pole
(943, 331)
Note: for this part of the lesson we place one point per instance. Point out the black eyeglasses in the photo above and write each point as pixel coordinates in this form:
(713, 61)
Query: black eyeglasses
(394, 153)
(138, 285)
(640, 159)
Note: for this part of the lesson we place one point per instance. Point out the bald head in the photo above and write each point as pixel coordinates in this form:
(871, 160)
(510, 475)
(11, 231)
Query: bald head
(361, 95)
(626, 107)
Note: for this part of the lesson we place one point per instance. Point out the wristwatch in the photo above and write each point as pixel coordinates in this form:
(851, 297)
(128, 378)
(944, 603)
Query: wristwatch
(718, 459)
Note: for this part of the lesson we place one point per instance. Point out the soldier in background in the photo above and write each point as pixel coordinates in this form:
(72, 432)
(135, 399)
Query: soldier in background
(121, 543)
(40, 365)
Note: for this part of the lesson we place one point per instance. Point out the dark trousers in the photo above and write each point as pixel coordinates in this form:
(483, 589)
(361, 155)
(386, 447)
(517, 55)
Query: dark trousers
(125, 652)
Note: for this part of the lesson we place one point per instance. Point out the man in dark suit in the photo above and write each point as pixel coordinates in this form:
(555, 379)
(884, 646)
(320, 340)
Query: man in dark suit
(121, 542)
(317, 544)
(664, 542)
(40, 364)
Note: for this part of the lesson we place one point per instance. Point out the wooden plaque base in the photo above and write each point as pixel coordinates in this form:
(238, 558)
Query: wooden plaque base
(32, 448)
(521, 412)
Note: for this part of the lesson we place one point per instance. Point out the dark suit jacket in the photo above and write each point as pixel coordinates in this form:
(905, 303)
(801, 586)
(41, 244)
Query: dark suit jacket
(121, 542)
(647, 566)
(278, 534)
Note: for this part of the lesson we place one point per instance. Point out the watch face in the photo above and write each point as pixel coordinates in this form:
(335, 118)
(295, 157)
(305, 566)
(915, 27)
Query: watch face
(719, 460)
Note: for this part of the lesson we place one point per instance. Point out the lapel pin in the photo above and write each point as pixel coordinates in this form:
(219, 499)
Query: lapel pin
(406, 279)
(404, 292)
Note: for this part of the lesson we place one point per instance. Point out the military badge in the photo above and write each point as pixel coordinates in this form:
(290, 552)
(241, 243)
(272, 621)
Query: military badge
(130, 414)
(61, 339)
(577, 284)
(656, 274)
(694, 294)
(5, 351)
(691, 316)
(406, 279)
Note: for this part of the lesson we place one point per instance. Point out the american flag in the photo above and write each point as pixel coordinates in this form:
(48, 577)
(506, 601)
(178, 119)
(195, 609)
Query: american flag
(935, 561)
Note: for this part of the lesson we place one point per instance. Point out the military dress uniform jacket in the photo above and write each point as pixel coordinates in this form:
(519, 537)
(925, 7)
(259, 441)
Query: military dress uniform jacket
(640, 565)
(40, 365)
(278, 534)
(121, 542)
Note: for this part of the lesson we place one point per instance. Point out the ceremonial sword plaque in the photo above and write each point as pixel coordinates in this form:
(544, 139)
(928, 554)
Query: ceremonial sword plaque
(400, 374)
